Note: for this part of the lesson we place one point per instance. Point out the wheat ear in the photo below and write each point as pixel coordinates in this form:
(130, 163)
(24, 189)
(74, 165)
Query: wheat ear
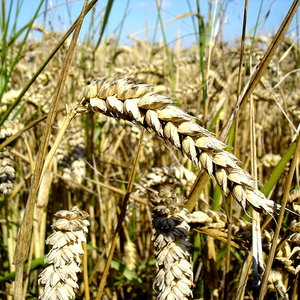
(174, 279)
(175, 175)
(7, 170)
(59, 279)
(121, 98)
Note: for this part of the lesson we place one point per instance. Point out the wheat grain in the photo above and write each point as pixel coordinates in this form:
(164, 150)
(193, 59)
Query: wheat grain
(139, 104)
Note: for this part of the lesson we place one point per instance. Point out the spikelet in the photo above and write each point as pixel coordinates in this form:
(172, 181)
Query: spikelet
(8, 98)
(289, 257)
(134, 133)
(130, 256)
(186, 60)
(293, 105)
(295, 258)
(178, 176)
(174, 279)
(209, 219)
(9, 128)
(142, 68)
(270, 160)
(295, 236)
(139, 104)
(59, 279)
(7, 170)
(77, 148)
(189, 91)
(175, 175)
(275, 280)
(70, 154)
(63, 159)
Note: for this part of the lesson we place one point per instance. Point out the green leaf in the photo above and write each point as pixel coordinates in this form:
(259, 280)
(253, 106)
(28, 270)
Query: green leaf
(35, 264)
(278, 170)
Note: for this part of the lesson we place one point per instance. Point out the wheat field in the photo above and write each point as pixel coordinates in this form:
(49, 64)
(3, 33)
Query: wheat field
(148, 170)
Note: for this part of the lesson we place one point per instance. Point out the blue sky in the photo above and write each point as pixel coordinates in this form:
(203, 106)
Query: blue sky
(142, 15)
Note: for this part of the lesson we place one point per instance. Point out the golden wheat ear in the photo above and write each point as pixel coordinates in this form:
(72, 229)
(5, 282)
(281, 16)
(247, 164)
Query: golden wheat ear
(174, 278)
(122, 99)
(7, 170)
(59, 279)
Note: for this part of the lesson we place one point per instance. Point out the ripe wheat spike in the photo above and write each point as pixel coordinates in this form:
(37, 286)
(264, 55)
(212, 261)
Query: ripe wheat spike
(122, 99)
(174, 279)
(59, 279)
(7, 169)
(175, 175)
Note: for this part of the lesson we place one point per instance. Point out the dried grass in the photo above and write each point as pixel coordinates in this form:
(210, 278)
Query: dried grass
(95, 155)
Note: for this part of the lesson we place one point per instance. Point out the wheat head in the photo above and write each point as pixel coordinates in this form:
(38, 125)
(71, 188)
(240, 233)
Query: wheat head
(7, 170)
(59, 279)
(138, 103)
(174, 279)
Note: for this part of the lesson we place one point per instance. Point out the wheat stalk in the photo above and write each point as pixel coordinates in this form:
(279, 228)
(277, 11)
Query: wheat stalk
(122, 99)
